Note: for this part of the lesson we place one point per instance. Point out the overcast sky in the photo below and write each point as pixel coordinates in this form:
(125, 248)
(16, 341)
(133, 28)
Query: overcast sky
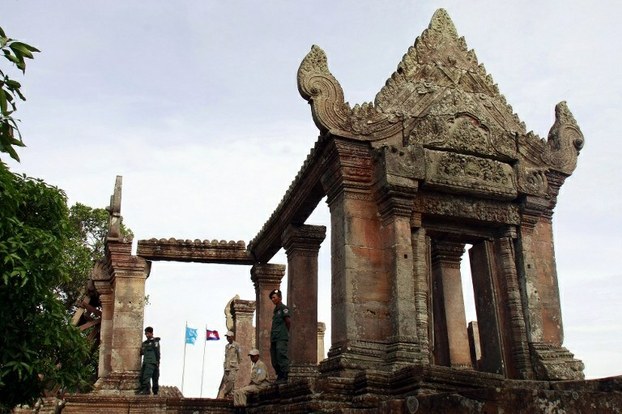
(195, 104)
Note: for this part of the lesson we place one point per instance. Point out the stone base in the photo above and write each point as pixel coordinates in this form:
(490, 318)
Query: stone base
(144, 404)
(118, 383)
(420, 389)
(555, 363)
(303, 371)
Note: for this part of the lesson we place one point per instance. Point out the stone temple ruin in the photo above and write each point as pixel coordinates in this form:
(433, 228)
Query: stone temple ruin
(437, 162)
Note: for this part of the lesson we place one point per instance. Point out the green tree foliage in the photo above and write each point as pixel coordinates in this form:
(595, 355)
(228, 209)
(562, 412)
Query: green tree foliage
(10, 91)
(87, 234)
(39, 348)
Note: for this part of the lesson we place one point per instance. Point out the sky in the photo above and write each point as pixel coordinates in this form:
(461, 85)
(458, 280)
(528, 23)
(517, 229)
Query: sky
(195, 104)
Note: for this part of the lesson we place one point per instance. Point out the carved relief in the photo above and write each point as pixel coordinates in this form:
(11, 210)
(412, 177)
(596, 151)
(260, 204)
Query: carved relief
(565, 141)
(317, 85)
(481, 210)
(467, 174)
(532, 181)
(463, 133)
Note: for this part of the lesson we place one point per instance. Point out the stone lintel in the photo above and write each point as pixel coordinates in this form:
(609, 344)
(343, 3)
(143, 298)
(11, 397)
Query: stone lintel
(201, 251)
(465, 208)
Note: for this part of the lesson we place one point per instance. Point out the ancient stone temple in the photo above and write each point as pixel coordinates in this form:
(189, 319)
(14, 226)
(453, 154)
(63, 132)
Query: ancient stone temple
(438, 165)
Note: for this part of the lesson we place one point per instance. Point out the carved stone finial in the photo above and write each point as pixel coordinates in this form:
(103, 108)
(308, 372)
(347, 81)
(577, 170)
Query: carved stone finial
(114, 209)
(228, 315)
(442, 22)
(322, 90)
(565, 140)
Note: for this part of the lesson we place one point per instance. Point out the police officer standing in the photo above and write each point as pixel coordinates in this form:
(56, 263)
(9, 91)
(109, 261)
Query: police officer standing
(231, 367)
(150, 370)
(279, 336)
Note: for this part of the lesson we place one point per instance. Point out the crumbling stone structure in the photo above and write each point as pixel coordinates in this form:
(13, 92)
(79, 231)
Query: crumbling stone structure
(437, 162)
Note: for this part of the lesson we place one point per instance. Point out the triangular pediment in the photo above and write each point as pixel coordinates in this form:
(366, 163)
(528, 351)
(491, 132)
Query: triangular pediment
(441, 98)
(440, 76)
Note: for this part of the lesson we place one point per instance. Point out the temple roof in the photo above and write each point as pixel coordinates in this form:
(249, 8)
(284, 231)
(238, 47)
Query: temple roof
(438, 76)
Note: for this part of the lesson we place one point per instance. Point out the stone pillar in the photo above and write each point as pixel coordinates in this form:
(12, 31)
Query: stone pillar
(423, 288)
(451, 340)
(266, 277)
(360, 318)
(129, 275)
(474, 344)
(535, 249)
(101, 280)
(511, 308)
(396, 186)
(242, 312)
(490, 312)
(537, 273)
(321, 330)
(302, 244)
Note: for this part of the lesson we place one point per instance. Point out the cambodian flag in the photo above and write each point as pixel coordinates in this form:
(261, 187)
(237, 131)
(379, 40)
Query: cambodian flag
(211, 335)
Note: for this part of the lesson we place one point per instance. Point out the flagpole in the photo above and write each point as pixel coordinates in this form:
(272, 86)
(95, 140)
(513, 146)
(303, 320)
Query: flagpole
(203, 363)
(183, 369)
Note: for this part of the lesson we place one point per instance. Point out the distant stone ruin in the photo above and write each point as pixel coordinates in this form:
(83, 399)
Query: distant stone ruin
(437, 162)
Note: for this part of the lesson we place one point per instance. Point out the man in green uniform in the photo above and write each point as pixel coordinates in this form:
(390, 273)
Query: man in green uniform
(150, 370)
(279, 336)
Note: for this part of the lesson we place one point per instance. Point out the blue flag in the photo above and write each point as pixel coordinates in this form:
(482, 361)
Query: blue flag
(191, 335)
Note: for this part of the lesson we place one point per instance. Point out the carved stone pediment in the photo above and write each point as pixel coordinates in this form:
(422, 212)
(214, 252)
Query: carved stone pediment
(463, 133)
(441, 98)
(460, 173)
(438, 76)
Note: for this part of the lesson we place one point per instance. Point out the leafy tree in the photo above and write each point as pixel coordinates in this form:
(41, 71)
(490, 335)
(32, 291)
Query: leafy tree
(10, 91)
(88, 228)
(40, 349)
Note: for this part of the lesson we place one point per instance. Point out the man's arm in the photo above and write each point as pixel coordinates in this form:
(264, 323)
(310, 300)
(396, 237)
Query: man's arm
(288, 322)
(157, 349)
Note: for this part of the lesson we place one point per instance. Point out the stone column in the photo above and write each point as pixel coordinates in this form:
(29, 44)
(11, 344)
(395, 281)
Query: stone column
(451, 339)
(242, 312)
(302, 244)
(490, 313)
(266, 277)
(423, 289)
(321, 330)
(101, 280)
(396, 186)
(129, 275)
(518, 364)
(360, 319)
(537, 273)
